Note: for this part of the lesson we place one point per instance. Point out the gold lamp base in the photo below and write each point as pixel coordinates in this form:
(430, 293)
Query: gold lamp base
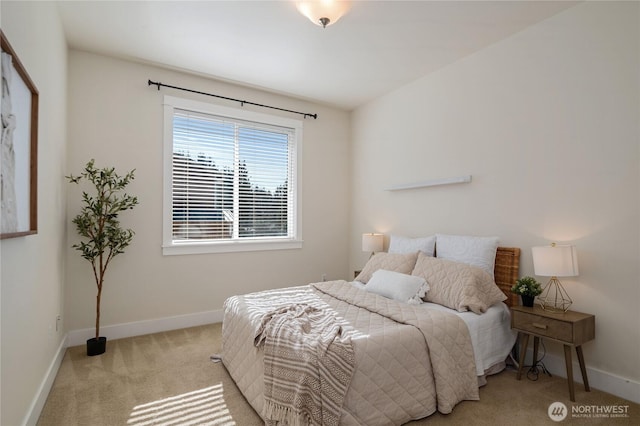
(554, 297)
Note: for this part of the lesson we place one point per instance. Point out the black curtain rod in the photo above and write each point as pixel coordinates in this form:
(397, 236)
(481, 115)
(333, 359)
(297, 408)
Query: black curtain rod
(158, 84)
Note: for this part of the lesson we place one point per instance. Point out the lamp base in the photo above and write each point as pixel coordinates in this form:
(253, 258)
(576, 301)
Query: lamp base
(554, 297)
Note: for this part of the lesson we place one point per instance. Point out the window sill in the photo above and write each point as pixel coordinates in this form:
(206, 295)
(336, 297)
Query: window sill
(228, 247)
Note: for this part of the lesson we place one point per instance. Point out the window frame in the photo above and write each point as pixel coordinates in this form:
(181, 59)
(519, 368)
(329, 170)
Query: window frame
(169, 247)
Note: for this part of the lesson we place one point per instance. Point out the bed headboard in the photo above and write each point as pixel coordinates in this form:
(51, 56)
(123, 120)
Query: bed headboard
(506, 272)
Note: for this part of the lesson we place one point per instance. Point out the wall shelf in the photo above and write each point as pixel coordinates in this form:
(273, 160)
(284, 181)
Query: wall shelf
(432, 182)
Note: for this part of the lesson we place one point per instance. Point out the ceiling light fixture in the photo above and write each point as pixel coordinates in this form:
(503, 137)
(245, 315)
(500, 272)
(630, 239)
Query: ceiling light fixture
(323, 12)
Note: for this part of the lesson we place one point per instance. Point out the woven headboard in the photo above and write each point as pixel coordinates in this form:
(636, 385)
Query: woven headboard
(506, 272)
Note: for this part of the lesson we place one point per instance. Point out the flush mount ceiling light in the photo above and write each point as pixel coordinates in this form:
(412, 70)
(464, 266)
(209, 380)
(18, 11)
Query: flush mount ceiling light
(323, 12)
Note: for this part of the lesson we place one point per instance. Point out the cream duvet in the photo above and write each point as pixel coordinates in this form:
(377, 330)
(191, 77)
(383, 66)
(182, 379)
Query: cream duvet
(409, 361)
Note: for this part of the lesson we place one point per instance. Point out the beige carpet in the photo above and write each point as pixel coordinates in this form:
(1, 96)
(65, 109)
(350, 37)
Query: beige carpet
(168, 379)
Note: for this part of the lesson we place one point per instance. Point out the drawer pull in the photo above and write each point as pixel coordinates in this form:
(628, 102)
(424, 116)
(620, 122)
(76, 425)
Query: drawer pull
(538, 325)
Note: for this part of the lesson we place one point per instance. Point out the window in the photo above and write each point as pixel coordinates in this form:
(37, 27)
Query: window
(231, 179)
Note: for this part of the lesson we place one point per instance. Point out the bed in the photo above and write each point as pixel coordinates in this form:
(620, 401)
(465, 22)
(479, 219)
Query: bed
(408, 360)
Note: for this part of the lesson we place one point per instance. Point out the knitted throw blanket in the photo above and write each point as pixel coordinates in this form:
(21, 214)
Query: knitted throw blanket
(308, 365)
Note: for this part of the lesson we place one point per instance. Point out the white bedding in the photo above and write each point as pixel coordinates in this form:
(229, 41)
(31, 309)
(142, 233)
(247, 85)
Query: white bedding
(491, 334)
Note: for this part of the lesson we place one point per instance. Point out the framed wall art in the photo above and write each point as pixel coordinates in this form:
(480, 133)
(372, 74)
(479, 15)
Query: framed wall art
(19, 156)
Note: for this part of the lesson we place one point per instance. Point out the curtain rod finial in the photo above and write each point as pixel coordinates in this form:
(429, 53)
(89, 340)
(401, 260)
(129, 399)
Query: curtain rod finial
(149, 83)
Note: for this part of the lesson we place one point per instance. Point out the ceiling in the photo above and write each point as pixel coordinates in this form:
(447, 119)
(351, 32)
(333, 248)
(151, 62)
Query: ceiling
(376, 47)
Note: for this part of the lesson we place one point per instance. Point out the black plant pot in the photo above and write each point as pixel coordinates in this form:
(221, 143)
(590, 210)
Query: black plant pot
(527, 300)
(96, 346)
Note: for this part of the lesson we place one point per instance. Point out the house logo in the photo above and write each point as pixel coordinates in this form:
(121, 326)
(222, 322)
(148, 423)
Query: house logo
(557, 411)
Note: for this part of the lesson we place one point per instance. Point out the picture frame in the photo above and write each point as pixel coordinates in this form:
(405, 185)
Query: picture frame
(19, 148)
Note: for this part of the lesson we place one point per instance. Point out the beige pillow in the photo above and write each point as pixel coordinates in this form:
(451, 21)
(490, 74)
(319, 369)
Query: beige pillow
(395, 262)
(457, 285)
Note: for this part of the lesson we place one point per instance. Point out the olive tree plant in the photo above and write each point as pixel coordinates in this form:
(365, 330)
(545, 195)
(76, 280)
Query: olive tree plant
(102, 236)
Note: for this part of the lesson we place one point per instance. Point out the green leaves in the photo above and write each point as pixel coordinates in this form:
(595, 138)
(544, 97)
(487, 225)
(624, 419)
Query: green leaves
(527, 286)
(97, 223)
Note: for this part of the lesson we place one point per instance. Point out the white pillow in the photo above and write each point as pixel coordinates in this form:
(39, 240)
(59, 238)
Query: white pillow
(476, 251)
(397, 286)
(399, 244)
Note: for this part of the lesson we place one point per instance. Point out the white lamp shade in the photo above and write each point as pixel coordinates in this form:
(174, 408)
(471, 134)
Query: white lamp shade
(555, 261)
(372, 242)
(315, 10)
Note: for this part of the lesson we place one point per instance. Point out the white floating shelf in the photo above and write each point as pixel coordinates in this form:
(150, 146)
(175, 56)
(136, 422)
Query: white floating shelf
(432, 182)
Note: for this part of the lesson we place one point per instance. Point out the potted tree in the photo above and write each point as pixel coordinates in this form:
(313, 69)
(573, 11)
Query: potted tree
(102, 237)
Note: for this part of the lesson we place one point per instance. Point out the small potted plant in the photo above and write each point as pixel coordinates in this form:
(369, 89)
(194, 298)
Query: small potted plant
(97, 224)
(528, 288)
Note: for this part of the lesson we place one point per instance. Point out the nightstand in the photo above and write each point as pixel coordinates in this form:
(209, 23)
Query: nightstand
(570, 328)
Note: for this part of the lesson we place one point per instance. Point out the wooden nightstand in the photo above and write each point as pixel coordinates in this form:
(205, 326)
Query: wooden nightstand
(569, 328)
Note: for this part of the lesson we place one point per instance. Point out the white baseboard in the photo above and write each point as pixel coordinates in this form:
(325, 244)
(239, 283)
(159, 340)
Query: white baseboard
(138, 328)
(33, 414)
(598, 379)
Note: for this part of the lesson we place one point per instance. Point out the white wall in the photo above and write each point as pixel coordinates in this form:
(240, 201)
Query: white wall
(32, 274)
(547, 123)
(117, 119)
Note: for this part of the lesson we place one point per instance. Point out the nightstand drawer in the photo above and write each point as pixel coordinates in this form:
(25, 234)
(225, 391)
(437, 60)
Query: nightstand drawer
(546, 327)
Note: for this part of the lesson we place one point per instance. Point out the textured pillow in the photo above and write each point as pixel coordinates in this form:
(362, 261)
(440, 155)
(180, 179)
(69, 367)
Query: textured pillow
(399, 244)
(402, 263)
(457, 285)
(476, 251)
(401, 287)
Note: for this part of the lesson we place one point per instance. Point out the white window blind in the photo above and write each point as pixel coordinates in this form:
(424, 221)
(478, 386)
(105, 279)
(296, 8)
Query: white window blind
(232, 180)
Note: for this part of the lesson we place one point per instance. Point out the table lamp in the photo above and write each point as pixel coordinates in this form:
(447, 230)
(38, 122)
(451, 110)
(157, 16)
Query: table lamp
(555, 261)
(372, 243)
